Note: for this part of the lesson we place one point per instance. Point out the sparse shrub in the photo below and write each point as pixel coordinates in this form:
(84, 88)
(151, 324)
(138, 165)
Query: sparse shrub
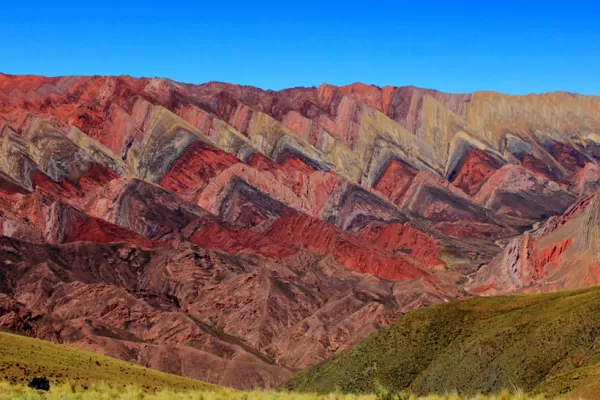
(385, 394)
(40, 383)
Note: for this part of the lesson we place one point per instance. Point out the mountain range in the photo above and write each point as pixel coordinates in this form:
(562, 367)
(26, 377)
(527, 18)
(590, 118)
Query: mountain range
(236, 235)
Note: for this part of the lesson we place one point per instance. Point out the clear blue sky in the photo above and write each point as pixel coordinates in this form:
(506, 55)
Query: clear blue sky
(513, 47)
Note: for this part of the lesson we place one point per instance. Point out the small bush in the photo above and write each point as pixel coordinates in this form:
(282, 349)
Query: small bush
(40, 383)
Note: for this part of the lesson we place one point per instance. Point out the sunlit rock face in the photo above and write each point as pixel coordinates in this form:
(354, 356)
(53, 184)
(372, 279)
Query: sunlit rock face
(234, 235)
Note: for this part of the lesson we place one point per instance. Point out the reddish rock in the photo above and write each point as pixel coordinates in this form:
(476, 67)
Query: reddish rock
(587, 181)
(543, 260)
(536, 165)
(194, 170)
(395, 180)
(350, 250)
(467, 229)
(407, 241)
(561, 253)
(568, 157)
(475, 169)
(518, 191)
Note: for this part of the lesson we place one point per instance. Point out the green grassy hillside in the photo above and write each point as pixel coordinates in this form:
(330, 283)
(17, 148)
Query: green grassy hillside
(544, 343)
(77, 374)
(22, 358)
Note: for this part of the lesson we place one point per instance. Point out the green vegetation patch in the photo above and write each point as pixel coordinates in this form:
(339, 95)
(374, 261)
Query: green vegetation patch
(532, 342)
(22, 358)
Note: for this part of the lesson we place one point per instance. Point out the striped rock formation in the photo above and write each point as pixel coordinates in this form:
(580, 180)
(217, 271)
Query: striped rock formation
(234, 235)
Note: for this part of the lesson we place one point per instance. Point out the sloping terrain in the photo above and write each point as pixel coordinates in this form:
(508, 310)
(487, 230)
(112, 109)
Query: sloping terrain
(77, 374)
(545, 343)
(236, 235)
(184, 309)
(23, 358)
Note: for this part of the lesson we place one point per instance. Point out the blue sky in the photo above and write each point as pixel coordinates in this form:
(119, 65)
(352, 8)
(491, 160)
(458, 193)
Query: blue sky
(505, 46)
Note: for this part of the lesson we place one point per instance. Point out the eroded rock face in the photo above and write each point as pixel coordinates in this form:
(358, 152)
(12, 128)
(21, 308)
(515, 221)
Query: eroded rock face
(563, 252)
(515, 190)
(234, 235)
(200, 313)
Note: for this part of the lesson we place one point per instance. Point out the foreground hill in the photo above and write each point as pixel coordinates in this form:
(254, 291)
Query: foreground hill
(236, 235)
(545, 343)
(23, 358)
(75, 373)
(78, 374)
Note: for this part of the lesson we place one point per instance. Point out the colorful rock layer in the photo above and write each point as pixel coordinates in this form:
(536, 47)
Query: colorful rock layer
(235, 235)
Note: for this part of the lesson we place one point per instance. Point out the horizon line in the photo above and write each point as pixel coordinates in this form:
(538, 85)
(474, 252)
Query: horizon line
(295, 87)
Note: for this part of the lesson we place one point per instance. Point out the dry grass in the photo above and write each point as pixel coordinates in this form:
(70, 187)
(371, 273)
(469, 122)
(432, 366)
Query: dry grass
(105, 392)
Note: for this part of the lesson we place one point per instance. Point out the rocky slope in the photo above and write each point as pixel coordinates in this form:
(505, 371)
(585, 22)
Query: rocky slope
(235, 235)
